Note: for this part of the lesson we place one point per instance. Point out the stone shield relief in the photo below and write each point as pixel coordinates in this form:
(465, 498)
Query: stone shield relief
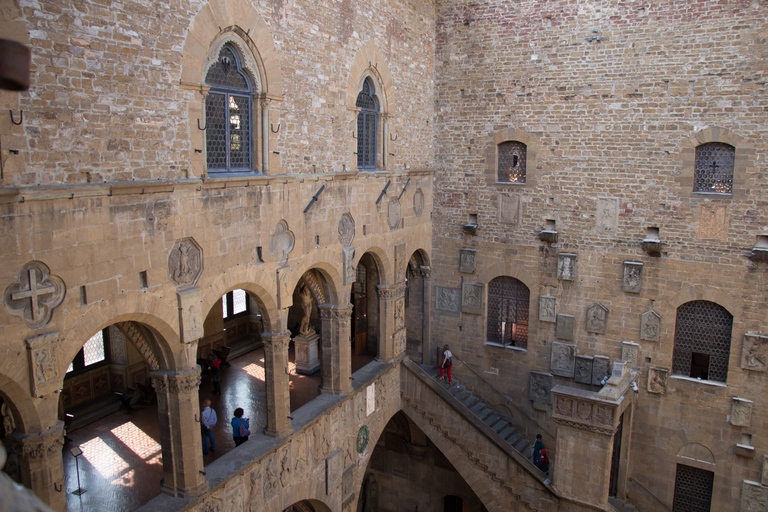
(541, 387)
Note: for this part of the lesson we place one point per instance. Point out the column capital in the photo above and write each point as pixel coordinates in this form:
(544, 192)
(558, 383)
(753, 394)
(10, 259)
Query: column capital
(177, 383)
(334, 312)
(275, 340)
(390, 291)
(40, 446)
(426, 271)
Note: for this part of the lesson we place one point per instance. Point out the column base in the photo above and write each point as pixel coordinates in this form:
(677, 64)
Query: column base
(185, 492)
(279, 433)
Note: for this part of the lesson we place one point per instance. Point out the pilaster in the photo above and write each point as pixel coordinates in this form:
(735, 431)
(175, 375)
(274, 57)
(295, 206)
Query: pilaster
(391, 321)
(277, 383)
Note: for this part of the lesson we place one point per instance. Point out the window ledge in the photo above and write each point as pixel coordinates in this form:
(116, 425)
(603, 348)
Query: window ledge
(700, 381)
(512, 183)
(724, 195)
(510, 347)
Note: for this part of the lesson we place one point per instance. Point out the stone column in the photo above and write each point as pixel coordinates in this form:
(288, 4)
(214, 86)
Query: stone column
(277, 383)
(337, 349)
(264, 136)
(426, 335)
(391, 321)
(41, 464)
(179, 414)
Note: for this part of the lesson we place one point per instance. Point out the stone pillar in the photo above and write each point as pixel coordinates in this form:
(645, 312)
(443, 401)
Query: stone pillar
(264, 136)
(426, 341)
(179, 414)
(391, 321)
(277, 383)
(385, 142)
(41, 464)
(337, 349)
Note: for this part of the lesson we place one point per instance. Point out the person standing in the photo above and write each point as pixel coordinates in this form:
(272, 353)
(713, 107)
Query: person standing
(544, 462)
(208, 420)
(447, 363)
(215, 369)
(538, 445)
(240, 427)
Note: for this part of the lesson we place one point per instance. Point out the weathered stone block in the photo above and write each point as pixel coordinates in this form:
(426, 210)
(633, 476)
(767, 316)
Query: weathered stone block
(541, 387)
(472, 298)
(564, 327)
(562, 359)
(547, 308)
(583, 371)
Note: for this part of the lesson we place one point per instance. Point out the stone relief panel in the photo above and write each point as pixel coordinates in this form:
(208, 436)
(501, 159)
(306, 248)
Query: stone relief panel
(607, 212)
(472, 298)
(467, 261)
(346, 230)
(35, 294)
(657, 380)
(713, 223)
(601, 368)
(566, 266)
(400, 262)
(393, 214)
(399, 313)
(418, 202)
(562, 359)
(43, 363)
(754, 352)
(348, 264)
(632, 281)
(541, 387)
(584, 414)
(547, 308)
(597, 318)
(583, 372)
(190, 315)
(185, 263)
(741, 412)
(400, 340)
(650, 324)
(448, 300)
(754, 497)
(282, 242)
(629, 353)
(284, 295)
(509, 208)
(564, 327)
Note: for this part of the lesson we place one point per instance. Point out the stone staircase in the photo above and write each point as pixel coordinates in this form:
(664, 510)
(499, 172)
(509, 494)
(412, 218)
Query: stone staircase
(622, 506)
(484, 412)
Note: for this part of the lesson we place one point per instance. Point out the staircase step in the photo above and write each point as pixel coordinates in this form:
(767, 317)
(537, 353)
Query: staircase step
(507, 431)
(485, 413)
(500, 425)
(491, 419)
(463, 395)
(470, 401)
(521, 445)
(456, 389)
(479, 406)
(615, 503)
(515, 437)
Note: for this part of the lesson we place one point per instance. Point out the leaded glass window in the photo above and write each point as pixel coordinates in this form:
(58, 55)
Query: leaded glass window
(713, 171)
(508, 300)
(93, 353)
(228, 108)
(702, 341)
(234, 303)
(367, 122)
(512, 162)
(693, 489)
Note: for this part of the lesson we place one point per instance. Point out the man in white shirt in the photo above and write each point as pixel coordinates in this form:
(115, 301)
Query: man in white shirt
(208, 420)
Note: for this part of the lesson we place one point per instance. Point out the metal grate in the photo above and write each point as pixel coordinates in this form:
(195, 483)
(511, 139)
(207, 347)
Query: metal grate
(714, 168)
(508, 301)
(702, 328)
(512, 162)
(693, 489)
(367, 122)
(228, 115)
(93, 350)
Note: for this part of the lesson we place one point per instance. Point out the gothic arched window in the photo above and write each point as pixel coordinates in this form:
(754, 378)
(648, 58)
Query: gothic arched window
(508, 300)
(713, 168)
(512, 162)
(702, 341)
(228, 108)
(367, 121)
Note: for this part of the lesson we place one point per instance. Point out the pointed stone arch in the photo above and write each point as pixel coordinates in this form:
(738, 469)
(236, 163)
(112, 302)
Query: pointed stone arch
(370, 61)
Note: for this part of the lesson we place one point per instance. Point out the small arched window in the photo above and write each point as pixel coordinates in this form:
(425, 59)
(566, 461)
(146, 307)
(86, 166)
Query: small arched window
(508, 300)
(512, 162)
(228, 108)
(713, 170)
(702, 341)
(367, 122)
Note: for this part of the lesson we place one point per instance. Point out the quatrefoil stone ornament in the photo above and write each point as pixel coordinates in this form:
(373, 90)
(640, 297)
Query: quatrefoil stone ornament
(35, 294)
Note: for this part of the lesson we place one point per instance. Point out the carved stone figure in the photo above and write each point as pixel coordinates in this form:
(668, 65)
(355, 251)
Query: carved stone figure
(632, 277)
(35, 294)
(657, 380)
(399, 313)
(564, 327)
(282, 242)
(346, 230)
(741, 412)
(566, 266)
(472, 298)
(348, 262)
(754, 352)
(597, 318)
(9, 424)
(393, 214)
(629, 353)
(562, 359)
(448, 300)
(284, 295)
(467, 261)
(547, 308)
(583, 371)
(185, 263)
(307, 301)
(400, 262)
(418, 202)
(650, 323)
(541, 387)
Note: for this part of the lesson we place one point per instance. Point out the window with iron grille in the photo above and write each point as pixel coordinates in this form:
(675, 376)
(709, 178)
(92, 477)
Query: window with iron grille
(228, 108)
(512, 162)
(92, 355)
(367, 122)
(508, 301)
(713, 169)
(702, 341)
(234, 303)
(693, 489)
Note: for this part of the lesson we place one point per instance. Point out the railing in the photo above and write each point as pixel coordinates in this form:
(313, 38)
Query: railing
(517, 417)
(659, 506)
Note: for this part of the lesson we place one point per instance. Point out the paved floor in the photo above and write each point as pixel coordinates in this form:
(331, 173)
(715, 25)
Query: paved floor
(121, 465)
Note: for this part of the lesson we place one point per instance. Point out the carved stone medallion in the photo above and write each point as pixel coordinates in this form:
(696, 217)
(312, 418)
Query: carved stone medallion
(566, 266)
(185, 263)
(754, 497)
(43, 363)
(541, 387)
(282, 242)
(35, 294)
(472, 298)
(509, 208)
(650, 323)
(348, 263)
(418, 202)
(597, 318)
(629, 353)
(467, 260)
(754, 352)
(564, 327)
(393, 214)
(448, 300)
(346, 230)
(547, 308)
(562, 359)
(601, 368)
(741, 412)
(633, 271)
(583, 371)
